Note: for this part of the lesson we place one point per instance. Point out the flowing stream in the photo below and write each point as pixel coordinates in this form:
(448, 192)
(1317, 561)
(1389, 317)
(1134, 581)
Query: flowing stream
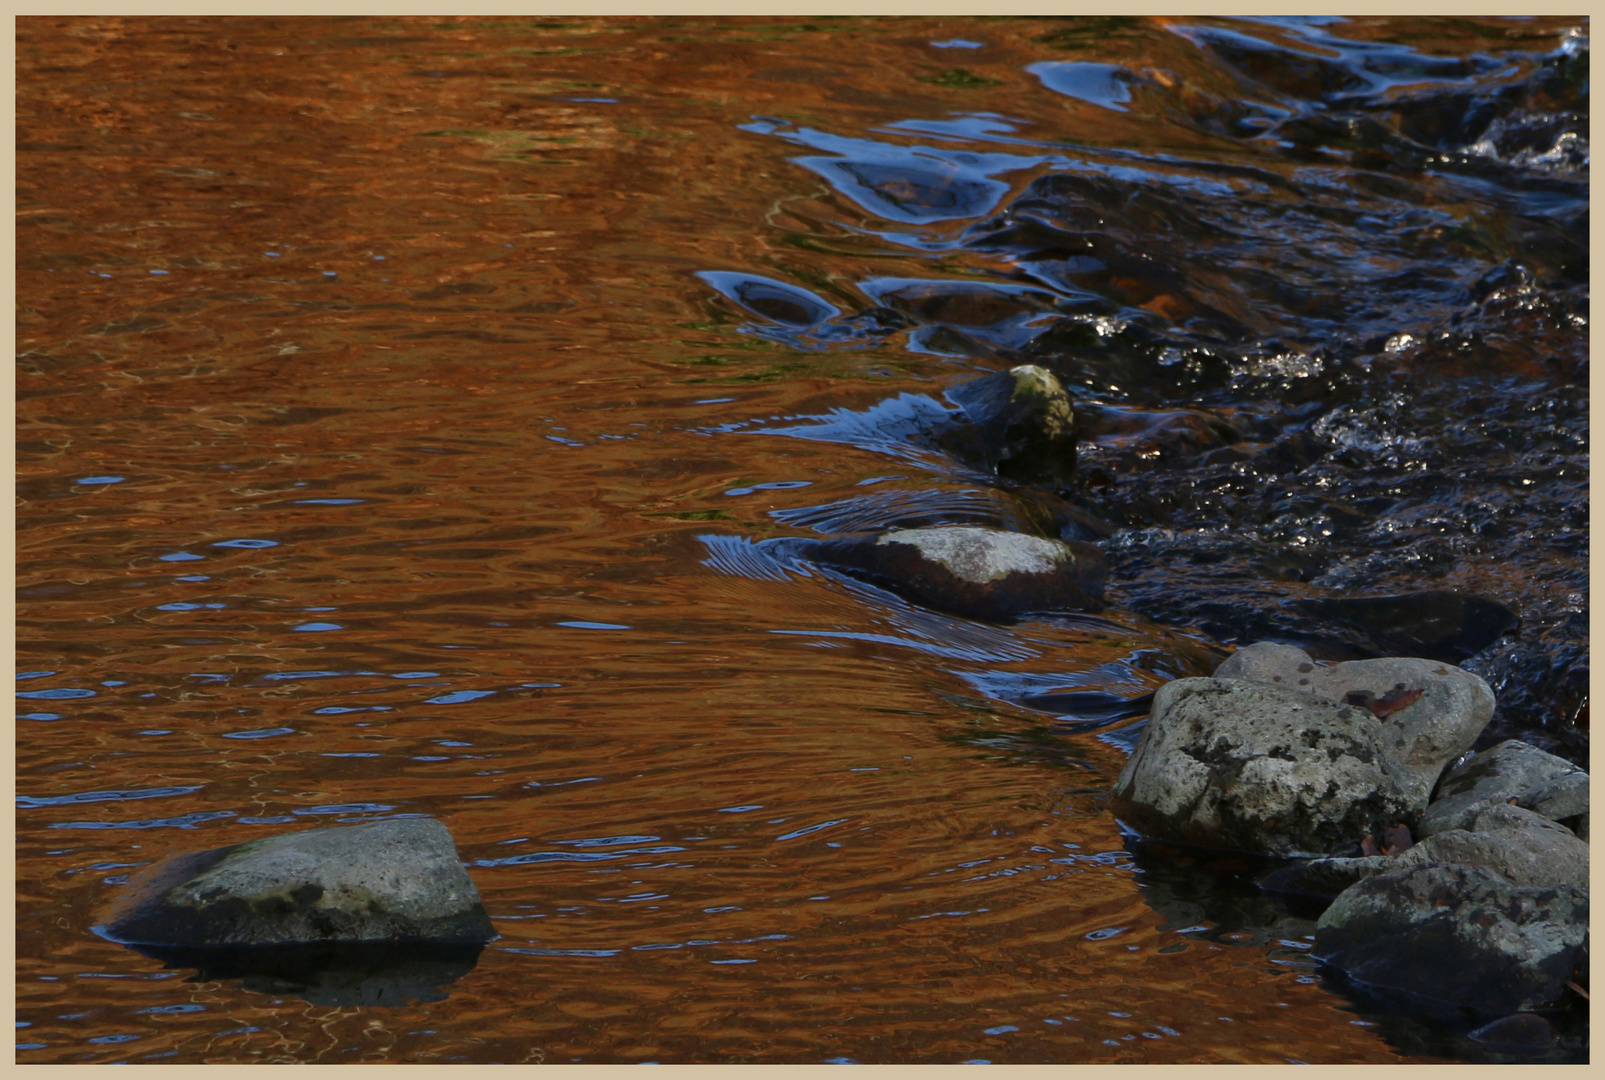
(404, 405)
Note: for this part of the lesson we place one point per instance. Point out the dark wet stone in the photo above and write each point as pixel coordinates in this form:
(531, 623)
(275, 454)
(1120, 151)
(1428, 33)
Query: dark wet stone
(984, 573)
(338, 974)
(1435, 624)
(1024, 423)
(767, 298)
(1090, 706)
(1233, 764)
(387, 880)
(1455, 934)
(1519, 1033)
(1323, 879)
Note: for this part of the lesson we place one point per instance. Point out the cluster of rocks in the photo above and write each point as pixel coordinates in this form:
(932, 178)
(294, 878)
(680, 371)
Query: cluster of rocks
(1450, 879)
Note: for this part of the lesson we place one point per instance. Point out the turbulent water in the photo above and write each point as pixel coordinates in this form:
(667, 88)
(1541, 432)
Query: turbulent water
(412, 414)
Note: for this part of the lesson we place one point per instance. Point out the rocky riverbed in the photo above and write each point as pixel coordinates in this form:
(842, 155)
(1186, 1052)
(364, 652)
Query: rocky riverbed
(753, 482)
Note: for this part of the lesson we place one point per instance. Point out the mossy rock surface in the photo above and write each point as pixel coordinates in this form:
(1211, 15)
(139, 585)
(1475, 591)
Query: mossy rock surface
(384, 881)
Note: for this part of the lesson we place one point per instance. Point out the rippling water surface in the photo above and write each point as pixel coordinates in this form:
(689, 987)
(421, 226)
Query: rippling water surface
(408, 409)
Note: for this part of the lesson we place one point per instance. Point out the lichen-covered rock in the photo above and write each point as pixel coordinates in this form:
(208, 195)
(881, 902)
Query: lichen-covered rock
(976, 571)
(1235, 764)
(1496, 775)
(386, 880)
(1024, 422)
(1457, 934)
(1432, 712)
(1533, 856)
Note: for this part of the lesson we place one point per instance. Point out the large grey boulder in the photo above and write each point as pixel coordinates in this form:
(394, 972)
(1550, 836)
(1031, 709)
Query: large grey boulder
(1024, 424)
(386, 880)
(1235, 764)
(1457, 934)
(976, 571)
(1495, 775)
(1432, 712)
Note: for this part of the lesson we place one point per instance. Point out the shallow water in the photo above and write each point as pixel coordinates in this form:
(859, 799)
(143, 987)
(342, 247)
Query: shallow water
(405, 405)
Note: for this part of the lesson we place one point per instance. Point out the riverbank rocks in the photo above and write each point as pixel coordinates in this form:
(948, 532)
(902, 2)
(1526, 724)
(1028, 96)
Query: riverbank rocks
(1229, 763)
(386, 880)
(1522, 847)
(1431, 712)
(1532, 855)
(986, 573)
(1511, 771)
(1024, 424)
(1456, 934)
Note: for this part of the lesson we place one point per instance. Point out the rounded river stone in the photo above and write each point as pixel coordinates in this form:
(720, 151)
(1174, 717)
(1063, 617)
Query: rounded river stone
(1233, 764)
(387, 880)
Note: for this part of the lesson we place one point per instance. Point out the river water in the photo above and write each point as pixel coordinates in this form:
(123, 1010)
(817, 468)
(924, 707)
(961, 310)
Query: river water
(403, 404)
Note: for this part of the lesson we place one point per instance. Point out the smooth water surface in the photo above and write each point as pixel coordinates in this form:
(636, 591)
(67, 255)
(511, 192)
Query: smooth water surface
(403, 404)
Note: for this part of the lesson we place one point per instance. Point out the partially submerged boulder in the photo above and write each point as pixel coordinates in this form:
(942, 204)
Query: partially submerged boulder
(1432, 712)
(1024, 424)
(1508, 771)
(399, 879)
(1456, 934)
(1234, 764)
(969, 570)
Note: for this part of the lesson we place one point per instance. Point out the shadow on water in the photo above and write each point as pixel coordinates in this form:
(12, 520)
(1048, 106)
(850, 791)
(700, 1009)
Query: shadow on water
(338, 974)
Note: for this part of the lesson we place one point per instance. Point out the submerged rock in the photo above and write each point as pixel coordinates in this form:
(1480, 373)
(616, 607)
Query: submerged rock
(974, 571)
(1456, 934)
(1236, 764)
(1496, 775)
(1431, 712)
(1520, 1034)
(1437, 624)
(1322, 879)
(387, 880)
(1025, 426)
